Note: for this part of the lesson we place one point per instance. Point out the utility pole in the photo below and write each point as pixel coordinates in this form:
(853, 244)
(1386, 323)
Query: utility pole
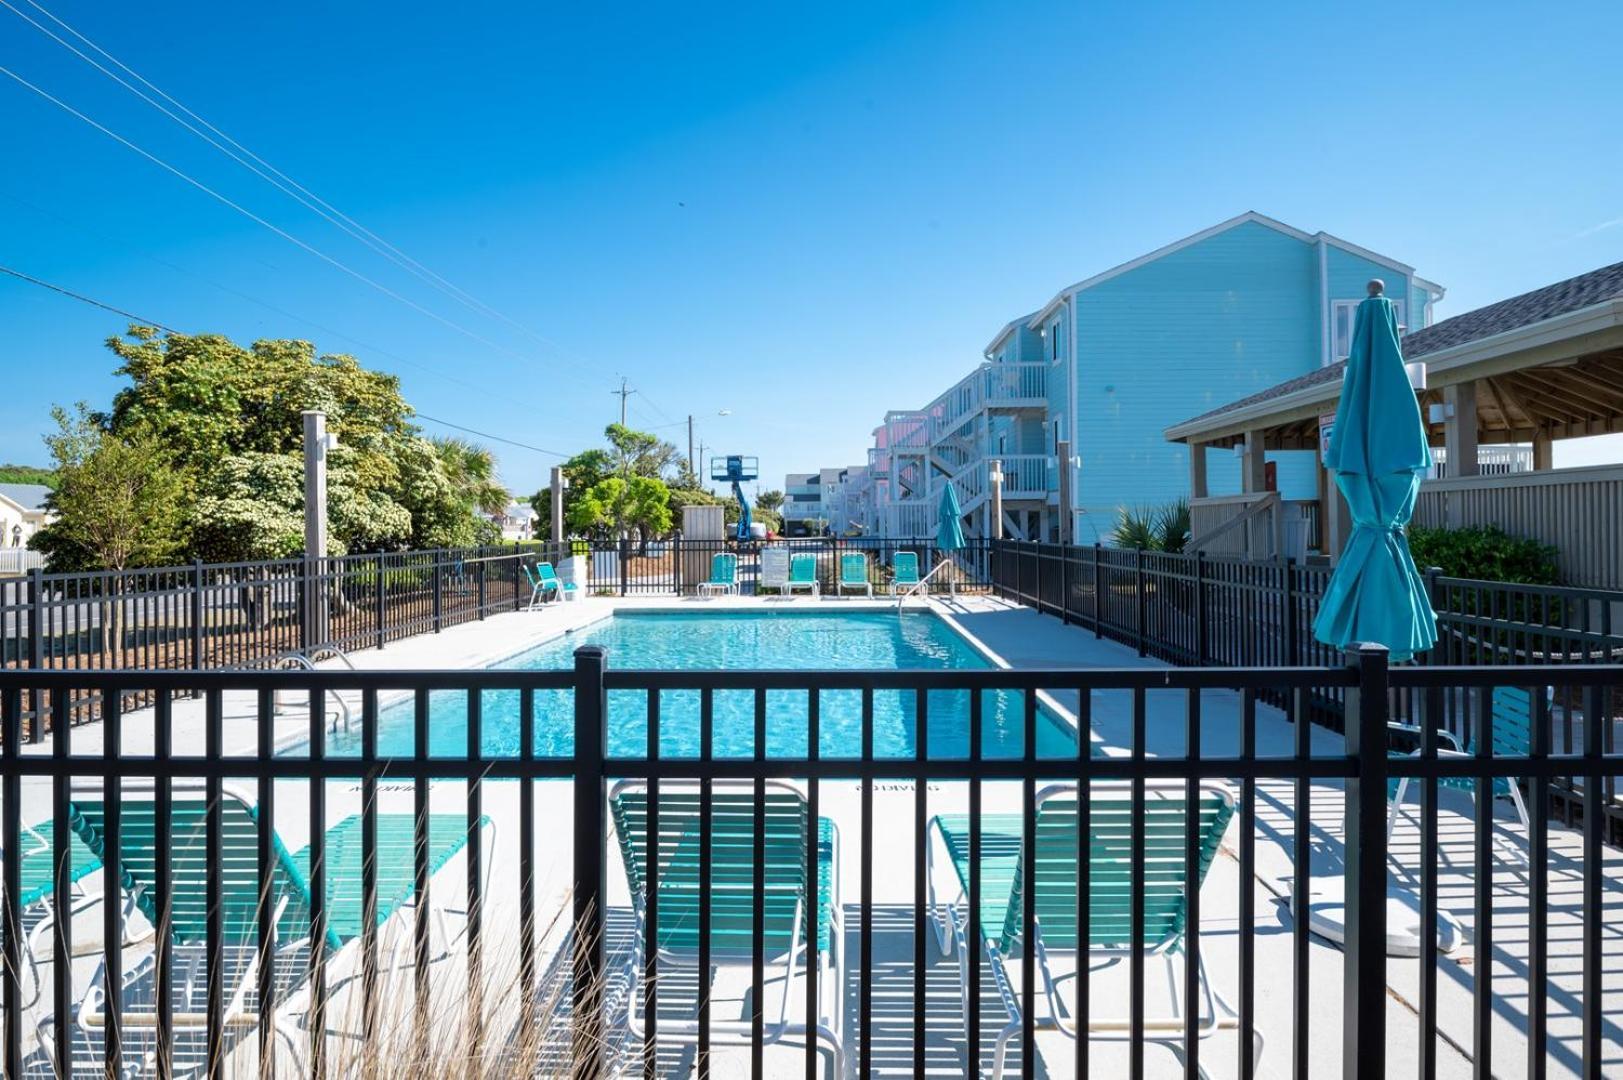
(625, 392)
(702, 449)
(692, 467)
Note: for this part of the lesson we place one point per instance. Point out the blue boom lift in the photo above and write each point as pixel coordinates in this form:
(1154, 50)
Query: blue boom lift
(737, 468)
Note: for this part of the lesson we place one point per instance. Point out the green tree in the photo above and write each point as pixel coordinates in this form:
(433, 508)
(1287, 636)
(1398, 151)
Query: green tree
(119, 502)
(614, 506)
(583, 472)
(637, 453)
(770, 501)
(471, 468)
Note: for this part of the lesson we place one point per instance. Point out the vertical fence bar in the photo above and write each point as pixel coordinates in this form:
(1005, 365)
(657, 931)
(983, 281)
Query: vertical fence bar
(214, 929)
(650, 950)
(814, 738)
(921, 840)
(1482, 947)
(1364, 993)
(591, 709)
(265, 895)
(1140, 601)
(1098, 592)
(1538, 909)
(1431, 717)
(36, 651)
(1594, 870)
(318, 887)
(1028, 889)
(1200, 609)
(112, 712)
(379, 601)
(1135, 893)
(369, 861)
(972, 934)
(476, 882)
(758, 895)
(1191, 886)
(11, 732)
(526, 870)
(420, 875)
(1248, 889)
(1084, 870)
(706, 866)
(62, 879)
(865, 981)
(197, 613)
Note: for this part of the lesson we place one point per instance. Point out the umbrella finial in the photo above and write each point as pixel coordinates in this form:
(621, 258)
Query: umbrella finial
(1376, 286)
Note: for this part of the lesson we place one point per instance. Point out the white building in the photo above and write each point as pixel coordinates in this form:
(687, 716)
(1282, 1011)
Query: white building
(22, 513)
(837, 501)
(517, 521)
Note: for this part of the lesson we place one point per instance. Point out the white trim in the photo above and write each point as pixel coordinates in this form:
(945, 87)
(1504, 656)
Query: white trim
(1008, 328)
(1596, 318)
(1365, 253)
(1351, 306)
(1324, 303)
(1250, 216)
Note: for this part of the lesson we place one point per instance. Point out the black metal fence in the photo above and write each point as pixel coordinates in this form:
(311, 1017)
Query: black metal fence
(252, 614)
(680, 566)
(707, 900)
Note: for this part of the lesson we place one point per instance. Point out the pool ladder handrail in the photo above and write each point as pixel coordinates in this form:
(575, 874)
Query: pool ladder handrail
(922, 582)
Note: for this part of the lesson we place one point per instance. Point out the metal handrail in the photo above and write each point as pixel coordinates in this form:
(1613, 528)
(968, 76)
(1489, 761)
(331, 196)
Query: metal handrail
(923, 581)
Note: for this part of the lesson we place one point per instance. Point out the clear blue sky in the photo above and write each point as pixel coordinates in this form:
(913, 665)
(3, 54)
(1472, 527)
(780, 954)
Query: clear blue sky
(805, 214)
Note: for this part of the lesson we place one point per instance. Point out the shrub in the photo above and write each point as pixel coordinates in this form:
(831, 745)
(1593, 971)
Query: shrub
(1486, 553)
(1164, 528)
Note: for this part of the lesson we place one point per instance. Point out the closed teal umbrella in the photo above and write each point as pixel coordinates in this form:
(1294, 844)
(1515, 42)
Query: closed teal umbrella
(1378, 452)
(949, 534)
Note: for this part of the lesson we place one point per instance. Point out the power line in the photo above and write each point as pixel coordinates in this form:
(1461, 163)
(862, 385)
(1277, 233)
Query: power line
(87, 300)
(488, 435)
(250, 215)
(267, 305)
(240, 154)
(169, 330)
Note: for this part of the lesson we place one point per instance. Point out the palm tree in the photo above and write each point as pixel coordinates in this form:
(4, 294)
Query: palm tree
(472, 469)
(770, 501)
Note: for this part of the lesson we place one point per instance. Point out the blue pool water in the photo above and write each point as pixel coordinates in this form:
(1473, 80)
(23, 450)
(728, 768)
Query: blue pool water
(784, 640)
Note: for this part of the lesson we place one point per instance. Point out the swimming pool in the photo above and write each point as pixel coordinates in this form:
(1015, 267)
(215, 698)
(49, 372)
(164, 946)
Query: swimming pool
(710, 640)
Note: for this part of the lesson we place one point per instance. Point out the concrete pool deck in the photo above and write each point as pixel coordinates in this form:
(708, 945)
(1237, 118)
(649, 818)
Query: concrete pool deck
(1023, 639)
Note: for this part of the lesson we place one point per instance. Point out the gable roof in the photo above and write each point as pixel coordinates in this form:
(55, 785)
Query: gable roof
(27, 496)
(1562, 298)
(1249, 217)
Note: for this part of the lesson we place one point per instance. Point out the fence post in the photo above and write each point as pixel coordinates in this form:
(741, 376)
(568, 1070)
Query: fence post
(197, 614)
(625, 568)
(1138, 602)
(479, 579)
(1433, 589)
(1293, 632)
(380, 600)
(1037, 572)
(1098, 592)
(1364, 994)
(590, 830)
(517, 603)
(1200, 609)
(1064, 585)
(439, 590)
(36, 648)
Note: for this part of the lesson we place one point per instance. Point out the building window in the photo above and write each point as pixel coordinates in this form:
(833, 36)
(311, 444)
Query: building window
(1343, 316)
(1053, 340)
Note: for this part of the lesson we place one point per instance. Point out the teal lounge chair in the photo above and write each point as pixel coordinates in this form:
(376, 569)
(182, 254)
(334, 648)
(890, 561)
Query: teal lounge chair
(1512, 736)
(1109, 936)
(545, 580)
(853, 573)
(37, 870)
(723, 575)
(802, 574)
(789, 929)
(904, 566)
(290, 896)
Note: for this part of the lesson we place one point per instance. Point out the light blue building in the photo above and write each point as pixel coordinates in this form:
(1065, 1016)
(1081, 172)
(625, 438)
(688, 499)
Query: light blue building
(1109, 362)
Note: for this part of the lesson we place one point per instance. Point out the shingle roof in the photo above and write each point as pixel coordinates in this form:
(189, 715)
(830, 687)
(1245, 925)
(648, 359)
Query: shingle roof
(27, 496)
(1573, 294)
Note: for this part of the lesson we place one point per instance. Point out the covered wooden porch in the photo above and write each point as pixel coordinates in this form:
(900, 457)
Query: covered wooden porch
(1532, 371)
